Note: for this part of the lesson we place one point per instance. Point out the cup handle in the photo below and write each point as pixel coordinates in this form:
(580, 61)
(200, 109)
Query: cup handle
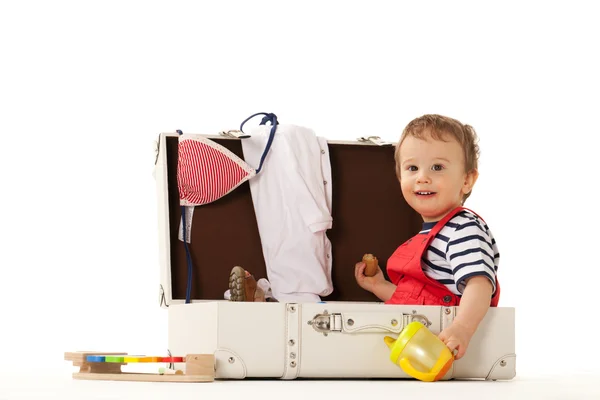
(410, 370)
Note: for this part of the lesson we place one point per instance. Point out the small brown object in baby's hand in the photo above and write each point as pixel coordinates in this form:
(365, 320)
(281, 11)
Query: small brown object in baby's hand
(372, 264)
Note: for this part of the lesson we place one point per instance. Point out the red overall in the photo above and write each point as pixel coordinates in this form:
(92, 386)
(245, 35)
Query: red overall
(413, 286)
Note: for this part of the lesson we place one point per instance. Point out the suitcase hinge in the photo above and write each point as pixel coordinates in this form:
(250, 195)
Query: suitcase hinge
(375, 140)
(161, 297)
(235, 134)
(156, 149)
(326, 322)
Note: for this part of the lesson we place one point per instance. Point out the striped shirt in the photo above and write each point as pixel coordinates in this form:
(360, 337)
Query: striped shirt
(463, 248)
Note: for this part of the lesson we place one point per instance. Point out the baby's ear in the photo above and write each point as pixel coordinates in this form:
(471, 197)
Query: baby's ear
(470, 180)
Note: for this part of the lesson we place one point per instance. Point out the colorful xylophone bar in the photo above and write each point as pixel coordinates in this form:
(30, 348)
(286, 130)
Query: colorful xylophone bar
(108, 358)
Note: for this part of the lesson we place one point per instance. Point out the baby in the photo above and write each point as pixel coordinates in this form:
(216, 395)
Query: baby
(454, 259)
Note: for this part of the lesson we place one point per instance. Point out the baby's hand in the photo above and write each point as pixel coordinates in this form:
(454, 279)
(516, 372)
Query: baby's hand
(367, 282)
(456, 336)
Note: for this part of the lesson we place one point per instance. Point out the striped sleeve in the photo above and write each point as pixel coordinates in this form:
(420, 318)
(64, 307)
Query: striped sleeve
(470, 252)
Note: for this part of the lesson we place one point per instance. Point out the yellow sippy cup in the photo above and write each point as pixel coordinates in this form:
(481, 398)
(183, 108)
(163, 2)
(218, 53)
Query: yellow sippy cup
(420, 353)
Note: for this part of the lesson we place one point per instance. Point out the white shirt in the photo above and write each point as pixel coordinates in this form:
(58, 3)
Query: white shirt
(292, 201)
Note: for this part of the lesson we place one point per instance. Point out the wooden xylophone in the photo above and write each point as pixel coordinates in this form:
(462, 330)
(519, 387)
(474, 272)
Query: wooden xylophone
(107, 366)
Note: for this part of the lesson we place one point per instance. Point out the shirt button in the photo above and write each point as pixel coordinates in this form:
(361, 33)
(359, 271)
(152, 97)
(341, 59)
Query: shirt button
(322, 151)
(447, 298)
(324, 182)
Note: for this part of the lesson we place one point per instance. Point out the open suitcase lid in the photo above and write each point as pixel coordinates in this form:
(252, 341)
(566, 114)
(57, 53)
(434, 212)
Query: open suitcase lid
(369, 215)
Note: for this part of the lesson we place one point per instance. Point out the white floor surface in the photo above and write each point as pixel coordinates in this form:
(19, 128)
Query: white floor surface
(58, 384)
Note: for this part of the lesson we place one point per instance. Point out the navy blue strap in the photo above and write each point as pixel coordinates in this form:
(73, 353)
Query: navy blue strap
(188, 256)
(268, 117)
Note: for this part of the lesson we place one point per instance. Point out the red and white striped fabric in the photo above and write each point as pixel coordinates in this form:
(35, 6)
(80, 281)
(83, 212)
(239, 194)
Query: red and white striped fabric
(207, 171)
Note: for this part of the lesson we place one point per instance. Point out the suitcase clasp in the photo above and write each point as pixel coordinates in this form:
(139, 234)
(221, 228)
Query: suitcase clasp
(325, 323)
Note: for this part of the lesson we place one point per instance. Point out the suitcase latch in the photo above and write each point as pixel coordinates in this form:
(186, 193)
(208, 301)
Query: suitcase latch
(326, 322)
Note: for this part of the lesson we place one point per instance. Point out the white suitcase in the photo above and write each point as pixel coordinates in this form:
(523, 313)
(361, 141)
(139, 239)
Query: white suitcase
(341, 337)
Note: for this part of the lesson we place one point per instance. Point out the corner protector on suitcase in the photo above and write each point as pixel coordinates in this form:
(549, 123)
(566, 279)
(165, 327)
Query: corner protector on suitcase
(504, 368)
(229, 365)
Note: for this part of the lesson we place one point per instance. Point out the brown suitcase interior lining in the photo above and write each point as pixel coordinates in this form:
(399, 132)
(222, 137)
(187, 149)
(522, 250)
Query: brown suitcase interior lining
(368, 210)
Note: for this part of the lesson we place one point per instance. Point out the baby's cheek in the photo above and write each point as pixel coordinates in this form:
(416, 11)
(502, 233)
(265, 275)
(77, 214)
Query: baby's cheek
(405, 184)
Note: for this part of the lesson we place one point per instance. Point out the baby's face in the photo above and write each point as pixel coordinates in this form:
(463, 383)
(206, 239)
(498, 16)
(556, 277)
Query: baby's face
(433, 177)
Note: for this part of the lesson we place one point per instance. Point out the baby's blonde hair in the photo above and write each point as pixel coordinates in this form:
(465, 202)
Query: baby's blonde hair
(439, 126)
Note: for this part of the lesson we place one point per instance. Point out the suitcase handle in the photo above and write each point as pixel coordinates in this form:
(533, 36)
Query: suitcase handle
(364, 322)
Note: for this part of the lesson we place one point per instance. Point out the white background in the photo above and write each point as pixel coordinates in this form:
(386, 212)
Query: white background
(86, 87)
